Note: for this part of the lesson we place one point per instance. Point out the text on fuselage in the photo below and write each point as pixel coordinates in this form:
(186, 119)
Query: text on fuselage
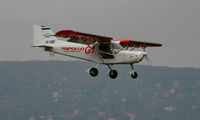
(86, 50)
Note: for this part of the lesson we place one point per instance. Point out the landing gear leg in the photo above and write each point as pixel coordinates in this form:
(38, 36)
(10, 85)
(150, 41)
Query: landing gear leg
(112, 73)
(132, 73)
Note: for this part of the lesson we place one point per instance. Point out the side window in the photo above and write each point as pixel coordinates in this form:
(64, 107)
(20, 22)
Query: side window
(105, 50)
(105, 47)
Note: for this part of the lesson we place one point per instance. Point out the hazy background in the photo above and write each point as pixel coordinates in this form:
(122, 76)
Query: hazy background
(47, 90)
(174, 23)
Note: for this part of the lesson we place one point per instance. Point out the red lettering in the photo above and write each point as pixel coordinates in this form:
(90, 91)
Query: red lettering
(72, 49)
(89, 50)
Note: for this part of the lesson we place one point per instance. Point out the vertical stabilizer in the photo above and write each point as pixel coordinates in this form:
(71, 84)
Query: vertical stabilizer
(42, 35)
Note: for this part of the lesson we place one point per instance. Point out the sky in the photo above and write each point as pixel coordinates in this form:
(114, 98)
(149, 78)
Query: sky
(174, 23)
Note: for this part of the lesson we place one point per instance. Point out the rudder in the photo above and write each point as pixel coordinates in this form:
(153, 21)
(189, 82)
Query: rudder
(42, 35)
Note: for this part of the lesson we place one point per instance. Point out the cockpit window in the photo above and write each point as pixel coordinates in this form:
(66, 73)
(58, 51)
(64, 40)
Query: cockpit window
(105, 50)
(105, 47)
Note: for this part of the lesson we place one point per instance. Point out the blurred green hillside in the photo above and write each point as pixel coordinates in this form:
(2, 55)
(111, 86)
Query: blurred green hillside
(56, 90)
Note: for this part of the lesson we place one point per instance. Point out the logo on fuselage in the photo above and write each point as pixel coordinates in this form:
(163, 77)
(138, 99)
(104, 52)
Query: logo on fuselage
(47, 35)
(86, 50)
(89, 50)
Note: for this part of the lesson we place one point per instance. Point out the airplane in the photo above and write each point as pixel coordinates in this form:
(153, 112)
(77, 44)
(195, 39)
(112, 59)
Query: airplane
(90, 47)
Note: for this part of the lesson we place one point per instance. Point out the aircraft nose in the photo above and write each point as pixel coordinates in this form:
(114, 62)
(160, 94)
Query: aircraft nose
(138, 56)
(142, 55)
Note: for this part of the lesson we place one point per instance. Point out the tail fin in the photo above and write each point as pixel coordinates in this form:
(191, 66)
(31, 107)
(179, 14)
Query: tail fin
(42, 35)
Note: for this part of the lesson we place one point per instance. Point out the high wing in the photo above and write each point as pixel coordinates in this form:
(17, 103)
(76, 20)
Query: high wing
(138, 44)
(80, 37)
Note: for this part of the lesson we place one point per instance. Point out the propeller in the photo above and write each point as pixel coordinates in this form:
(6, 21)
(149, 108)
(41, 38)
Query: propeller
(147, 59)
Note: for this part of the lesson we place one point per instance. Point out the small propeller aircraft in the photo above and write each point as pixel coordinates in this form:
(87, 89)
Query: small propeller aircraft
(90, 47)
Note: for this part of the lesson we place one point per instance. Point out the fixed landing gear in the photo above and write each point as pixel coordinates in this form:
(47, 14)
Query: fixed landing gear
(93, 72)
(112, 73)
(132, 73)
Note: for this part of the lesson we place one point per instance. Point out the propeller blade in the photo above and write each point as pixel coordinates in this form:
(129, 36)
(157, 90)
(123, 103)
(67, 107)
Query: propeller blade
(147, 60)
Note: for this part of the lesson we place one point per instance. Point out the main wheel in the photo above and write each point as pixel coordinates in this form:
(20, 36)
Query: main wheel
(93, 72)
(133, 74)
(113, 74)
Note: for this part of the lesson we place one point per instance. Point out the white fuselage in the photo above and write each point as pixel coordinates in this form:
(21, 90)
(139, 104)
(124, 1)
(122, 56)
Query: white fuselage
(91, 53)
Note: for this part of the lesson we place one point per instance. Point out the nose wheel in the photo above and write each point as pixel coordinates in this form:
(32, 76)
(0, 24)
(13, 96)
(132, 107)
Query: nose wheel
(132, 73)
